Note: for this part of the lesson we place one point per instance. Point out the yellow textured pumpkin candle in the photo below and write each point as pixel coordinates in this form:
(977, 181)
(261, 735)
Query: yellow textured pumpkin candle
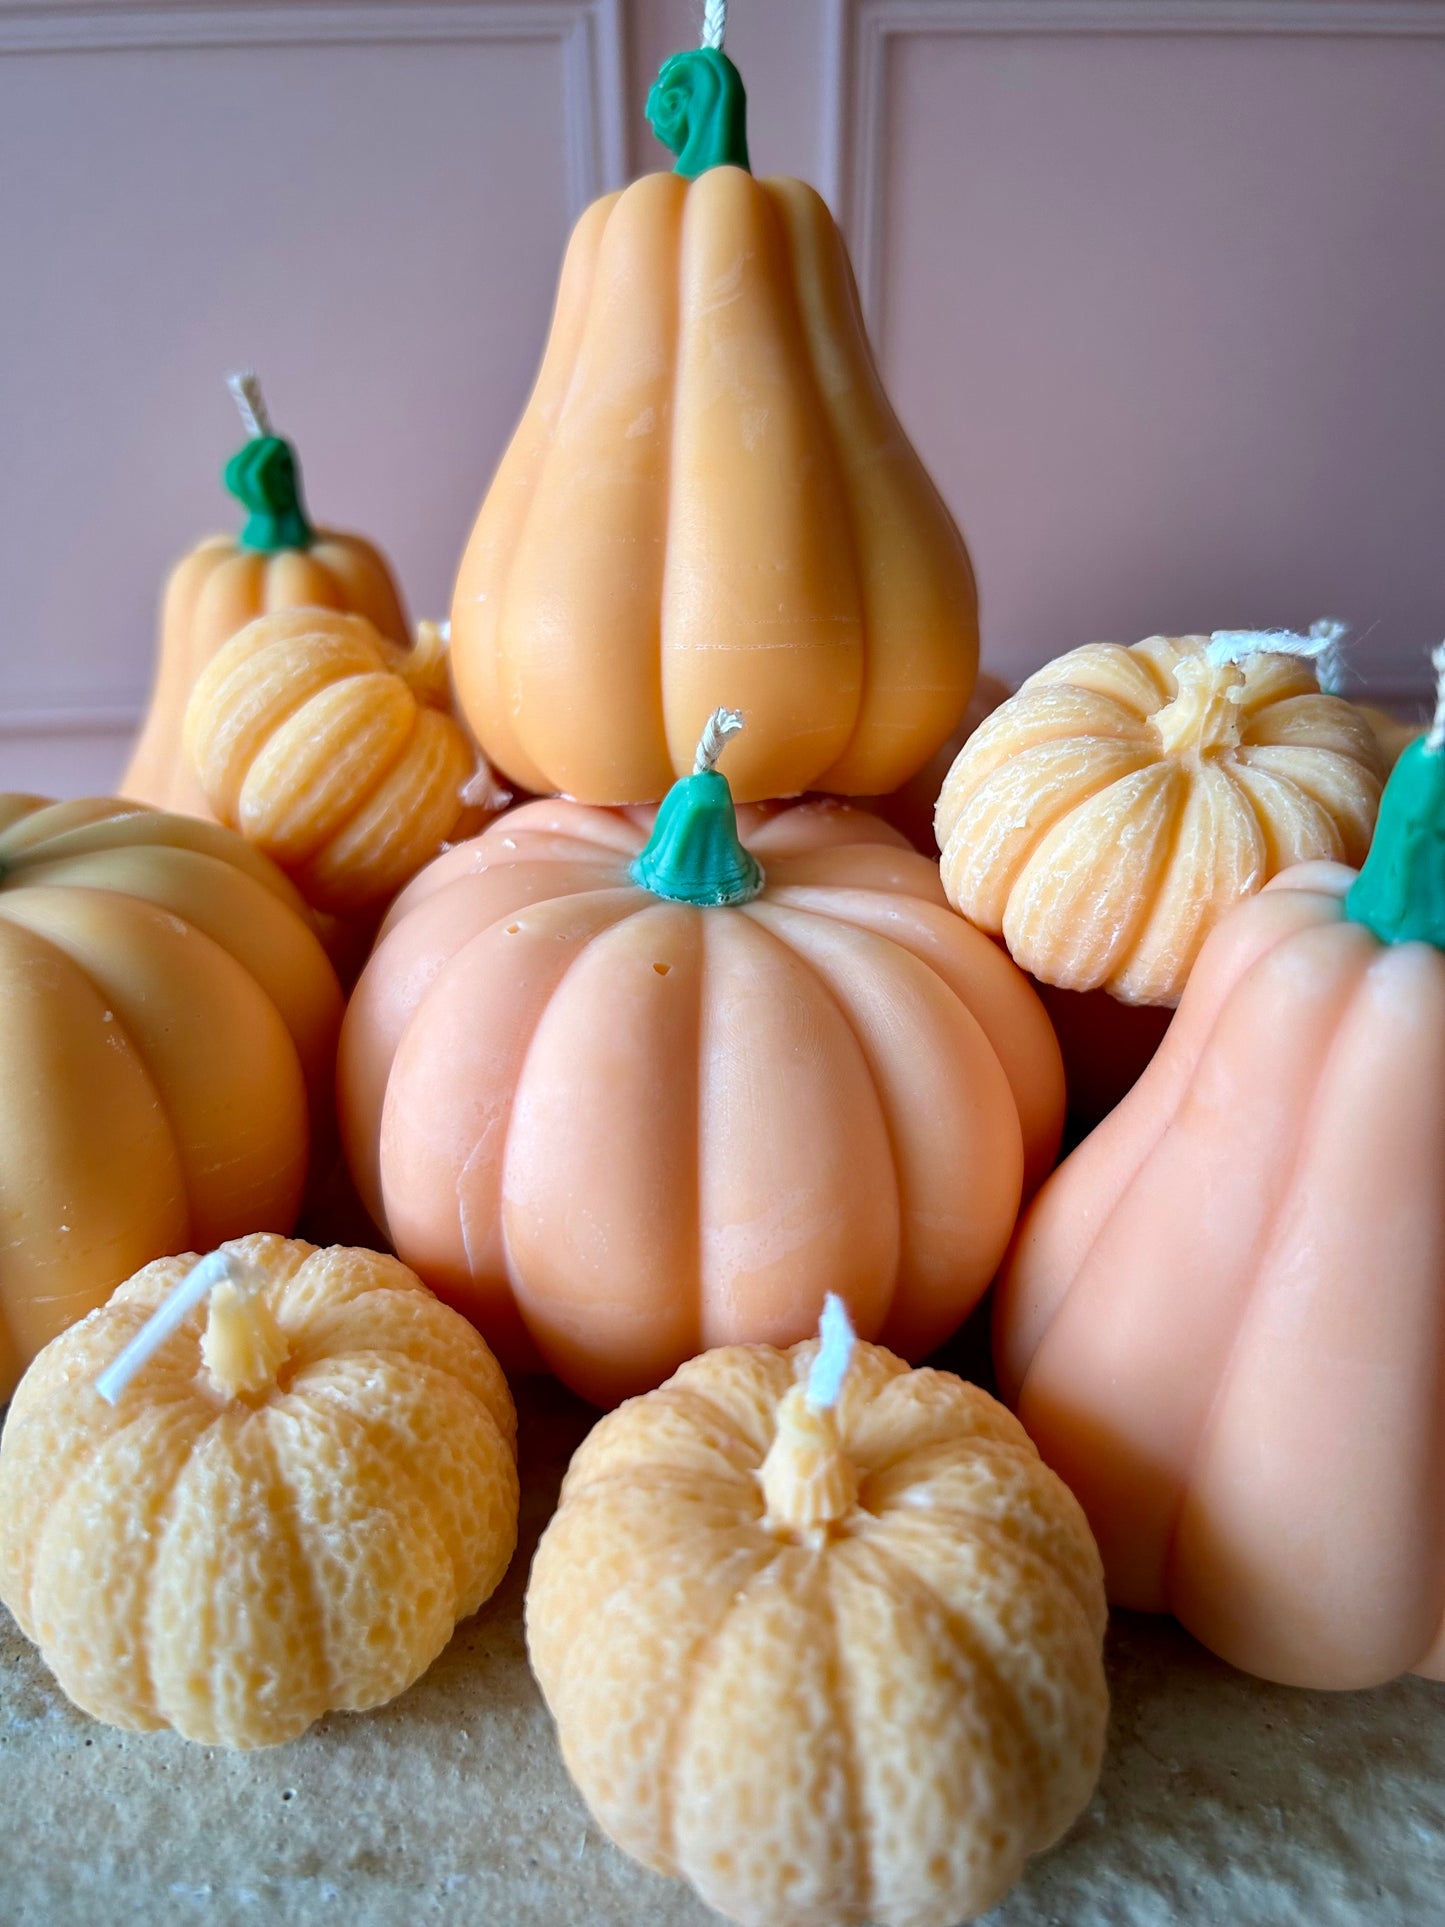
(277, 1500)
(710, 500)
(1104, 818)
(822, 1635)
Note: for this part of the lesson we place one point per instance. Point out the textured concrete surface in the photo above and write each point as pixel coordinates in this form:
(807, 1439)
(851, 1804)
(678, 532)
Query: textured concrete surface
(1224, 1803)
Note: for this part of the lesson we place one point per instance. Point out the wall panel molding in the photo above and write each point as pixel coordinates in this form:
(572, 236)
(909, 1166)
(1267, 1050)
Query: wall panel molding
(859, 35)
(589, 35)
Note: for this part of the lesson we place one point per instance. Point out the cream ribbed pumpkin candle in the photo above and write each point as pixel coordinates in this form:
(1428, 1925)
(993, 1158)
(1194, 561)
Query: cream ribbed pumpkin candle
(822, 1635)
(1104, 818)
(255, 1488)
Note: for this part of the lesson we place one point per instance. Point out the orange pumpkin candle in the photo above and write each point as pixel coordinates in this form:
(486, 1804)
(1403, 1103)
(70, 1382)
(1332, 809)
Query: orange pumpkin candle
(294, 1474)
(1223, 1321)
(709, 499)
(621, 1088)
(822, 1635)
(277, 561)
(168, 1025)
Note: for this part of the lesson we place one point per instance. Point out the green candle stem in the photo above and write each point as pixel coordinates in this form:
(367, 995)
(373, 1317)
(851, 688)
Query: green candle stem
(1400, 891)
(699, 109)
(695, 854)
(264, 478)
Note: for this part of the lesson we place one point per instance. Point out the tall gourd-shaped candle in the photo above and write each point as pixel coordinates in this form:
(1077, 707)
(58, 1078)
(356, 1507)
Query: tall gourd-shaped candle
(709, 500)
(624, 1084)
(1223, 1322)
(277, 560)
(822, 1635)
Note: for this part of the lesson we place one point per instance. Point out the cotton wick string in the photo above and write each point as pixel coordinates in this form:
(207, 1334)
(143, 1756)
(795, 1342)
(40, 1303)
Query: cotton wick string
(714, 23)
(245, 387)
(215, 1267)
(1435, 740)
(836, 1339)
(715, 731)
(1323, 643)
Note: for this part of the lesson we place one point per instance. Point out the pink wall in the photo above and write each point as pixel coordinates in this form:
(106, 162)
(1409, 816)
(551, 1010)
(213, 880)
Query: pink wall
(1163, 309)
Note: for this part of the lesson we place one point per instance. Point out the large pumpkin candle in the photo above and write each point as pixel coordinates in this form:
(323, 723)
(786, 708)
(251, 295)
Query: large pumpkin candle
(709, 500)
(1223, 1321)
(277, 560)
(624, 1084)
(822, 1635)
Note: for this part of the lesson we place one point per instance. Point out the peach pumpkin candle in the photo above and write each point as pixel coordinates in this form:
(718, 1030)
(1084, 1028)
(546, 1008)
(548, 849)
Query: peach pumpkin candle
(333, 751)
(1223, 1318)
(168, 1025)
(709, 499)
(253, 1489)
(1104, 818)
(277, 561)
(822, 1635)
(621, 1088)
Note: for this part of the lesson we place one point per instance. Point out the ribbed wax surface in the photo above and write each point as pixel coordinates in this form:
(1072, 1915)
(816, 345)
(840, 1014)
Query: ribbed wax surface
(881, 1725)
(235, 1567)
(1105, 817)
(211, 594)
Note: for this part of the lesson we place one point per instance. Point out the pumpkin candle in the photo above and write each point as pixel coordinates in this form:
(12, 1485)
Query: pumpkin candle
(276, 1499)
(709, 499)
(624, 1084)
(277, 560)
(822, 1635)
(1222, 1321)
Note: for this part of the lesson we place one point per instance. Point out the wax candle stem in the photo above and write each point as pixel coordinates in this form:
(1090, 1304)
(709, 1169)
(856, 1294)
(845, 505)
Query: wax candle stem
(264, 478)
(242, 1346)
(694, 854)
(698, 108)
(1204, 715)
(1400, 891)
(808, 1481)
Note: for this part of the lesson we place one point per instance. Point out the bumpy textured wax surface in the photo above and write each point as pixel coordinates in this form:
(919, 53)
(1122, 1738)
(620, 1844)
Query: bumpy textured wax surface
(615, 1130)
(1104, 818)
(168, 1028)
(331, 750)
(1222, 1319)
(709, 501)
(213, 592)
(236, 1567)
(1222, 1800)
(880, 1724)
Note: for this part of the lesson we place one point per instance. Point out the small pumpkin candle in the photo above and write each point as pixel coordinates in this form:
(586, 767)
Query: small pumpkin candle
(333, 751)
(710, 500)
(623, 1084)
(822, 1635)
(1222, 1319)
(278, 560)
(1104, 818)
(254, 1488)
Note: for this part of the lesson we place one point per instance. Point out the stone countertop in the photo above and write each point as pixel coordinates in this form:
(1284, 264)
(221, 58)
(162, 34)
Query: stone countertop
(1223, 1803)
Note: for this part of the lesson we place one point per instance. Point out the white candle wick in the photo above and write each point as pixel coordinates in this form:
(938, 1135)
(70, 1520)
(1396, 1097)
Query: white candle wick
(168, 1316)
(1237, 645)
(836, 1339)
(715, 731)
(245, 387)
(1435, 740)
(714, 23)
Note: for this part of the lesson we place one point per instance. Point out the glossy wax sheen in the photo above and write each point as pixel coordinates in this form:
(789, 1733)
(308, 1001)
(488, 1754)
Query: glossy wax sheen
(878, 1719)
(1222, 1321)
(214, 592)
(1103, 819)
(235, 1565)
(709, 501)
(615, 1130)
(167, 1028)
